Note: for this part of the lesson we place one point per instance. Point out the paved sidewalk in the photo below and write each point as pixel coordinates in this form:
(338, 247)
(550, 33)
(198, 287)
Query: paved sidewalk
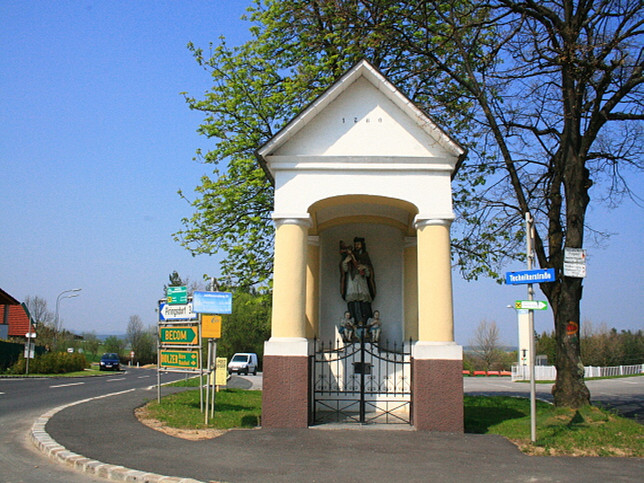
(105, 430)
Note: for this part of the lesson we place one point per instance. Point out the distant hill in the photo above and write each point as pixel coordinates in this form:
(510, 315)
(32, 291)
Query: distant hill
(102, 337)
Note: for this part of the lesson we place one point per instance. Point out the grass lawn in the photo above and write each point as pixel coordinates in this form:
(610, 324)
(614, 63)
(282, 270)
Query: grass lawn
(234, 408)
(589, 431)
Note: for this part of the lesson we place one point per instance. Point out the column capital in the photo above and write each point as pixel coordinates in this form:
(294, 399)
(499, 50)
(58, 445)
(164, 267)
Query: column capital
(437, 220)
(300, 219)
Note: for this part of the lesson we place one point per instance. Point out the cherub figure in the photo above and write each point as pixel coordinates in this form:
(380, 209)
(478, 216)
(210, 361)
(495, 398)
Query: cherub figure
(374, 326)
(347, 327)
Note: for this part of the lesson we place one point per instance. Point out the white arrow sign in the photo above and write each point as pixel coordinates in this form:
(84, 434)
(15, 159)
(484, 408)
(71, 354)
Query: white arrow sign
(176, 312)
(531, 304)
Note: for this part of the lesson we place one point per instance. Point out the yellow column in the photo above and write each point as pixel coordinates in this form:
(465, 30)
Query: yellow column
(410, 289)
(289, 278)
(435, 310)
(313, 287)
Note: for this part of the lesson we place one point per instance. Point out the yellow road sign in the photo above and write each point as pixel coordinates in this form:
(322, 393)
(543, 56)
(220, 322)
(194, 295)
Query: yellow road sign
(210, 326)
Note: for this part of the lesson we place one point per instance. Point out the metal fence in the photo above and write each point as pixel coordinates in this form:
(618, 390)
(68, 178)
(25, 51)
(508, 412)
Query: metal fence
(361, 382)
(549, 373)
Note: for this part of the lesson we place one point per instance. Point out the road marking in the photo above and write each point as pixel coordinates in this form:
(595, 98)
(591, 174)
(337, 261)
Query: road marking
(1, 393)
(70, 384)
(118, 379)
(142, 377)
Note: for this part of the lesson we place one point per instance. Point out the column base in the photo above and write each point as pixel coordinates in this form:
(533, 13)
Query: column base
(285, 394)
(437, 387)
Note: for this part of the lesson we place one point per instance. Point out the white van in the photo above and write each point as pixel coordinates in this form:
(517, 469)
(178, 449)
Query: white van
(243, 363)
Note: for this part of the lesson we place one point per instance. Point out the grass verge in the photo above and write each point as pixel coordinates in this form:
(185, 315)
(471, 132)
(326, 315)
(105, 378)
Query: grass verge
(234, 408)
(588, 431)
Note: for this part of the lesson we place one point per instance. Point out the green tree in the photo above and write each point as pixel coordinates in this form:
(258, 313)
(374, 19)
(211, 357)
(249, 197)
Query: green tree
(248, 327)
(91, 342)
(547, 96)
(141, 340)
(114, 344)
(298, 49)
(632, 347)
(546, 345)
(556, 89)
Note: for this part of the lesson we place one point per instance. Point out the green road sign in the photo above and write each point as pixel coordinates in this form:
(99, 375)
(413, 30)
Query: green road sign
(176, 295)
(180, 359)
(531, 305)
(179, 335)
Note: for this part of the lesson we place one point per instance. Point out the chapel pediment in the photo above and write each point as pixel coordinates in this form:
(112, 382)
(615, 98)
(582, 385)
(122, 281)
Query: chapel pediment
(361, 120)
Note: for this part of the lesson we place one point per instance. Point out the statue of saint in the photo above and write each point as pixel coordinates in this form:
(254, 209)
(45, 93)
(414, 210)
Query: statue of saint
(357, 280)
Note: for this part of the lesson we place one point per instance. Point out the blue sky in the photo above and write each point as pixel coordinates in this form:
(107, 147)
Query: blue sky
(96, 140)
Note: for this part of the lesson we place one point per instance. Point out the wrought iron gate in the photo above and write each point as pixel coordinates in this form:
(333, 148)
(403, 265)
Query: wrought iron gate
(361, 382)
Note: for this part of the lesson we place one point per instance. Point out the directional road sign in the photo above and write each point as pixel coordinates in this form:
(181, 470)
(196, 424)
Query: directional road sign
(180, 359)
(176, 312)
(531, 305)
(530, 276)
(175, 335)
(212, 302)
(176, 295)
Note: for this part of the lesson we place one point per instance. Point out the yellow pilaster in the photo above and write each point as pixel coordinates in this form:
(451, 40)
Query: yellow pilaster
(313, 287)
(410, 289)
(435, 309)
(289, 278)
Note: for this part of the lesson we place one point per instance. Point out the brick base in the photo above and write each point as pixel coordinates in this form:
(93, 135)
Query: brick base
(285, 394)
(438, 395)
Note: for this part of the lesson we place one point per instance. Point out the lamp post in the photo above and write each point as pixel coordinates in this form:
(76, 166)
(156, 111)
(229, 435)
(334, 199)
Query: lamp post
(67, 294)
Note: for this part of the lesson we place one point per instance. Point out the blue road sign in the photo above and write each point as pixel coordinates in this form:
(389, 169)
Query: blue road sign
(212, 302)
(530, 276)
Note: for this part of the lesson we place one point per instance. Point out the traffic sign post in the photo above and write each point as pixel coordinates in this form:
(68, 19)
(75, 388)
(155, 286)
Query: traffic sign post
(179, 335)
(175, 312)
(212, 302)
(530, 305)
(180, 359)
(530, 276)
(574, 265)
(176, 295)
(529, 225)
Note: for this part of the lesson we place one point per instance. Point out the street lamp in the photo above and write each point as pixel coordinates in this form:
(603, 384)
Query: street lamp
(70, 293)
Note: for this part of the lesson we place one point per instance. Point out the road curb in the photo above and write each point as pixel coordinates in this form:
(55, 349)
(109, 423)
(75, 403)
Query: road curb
(58, 453)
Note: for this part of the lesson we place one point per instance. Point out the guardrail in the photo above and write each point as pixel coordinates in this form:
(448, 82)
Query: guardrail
(549, 373)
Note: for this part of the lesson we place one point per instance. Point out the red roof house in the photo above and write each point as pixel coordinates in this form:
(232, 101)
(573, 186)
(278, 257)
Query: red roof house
(12, 313)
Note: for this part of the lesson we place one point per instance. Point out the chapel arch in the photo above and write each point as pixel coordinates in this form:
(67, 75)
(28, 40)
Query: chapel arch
(387, 225)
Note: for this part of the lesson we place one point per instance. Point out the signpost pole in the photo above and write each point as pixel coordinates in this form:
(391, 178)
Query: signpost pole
(158, 368)
(207, 378)
(214, 373)
(533, 391)
(200, 371)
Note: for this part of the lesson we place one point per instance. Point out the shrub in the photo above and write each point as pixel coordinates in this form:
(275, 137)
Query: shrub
(52, 363)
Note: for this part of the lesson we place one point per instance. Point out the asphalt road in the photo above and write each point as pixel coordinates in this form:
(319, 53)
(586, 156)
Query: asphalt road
(23, 400)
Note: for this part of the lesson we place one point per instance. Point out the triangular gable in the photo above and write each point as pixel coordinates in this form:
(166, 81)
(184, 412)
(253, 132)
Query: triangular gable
(416, 129)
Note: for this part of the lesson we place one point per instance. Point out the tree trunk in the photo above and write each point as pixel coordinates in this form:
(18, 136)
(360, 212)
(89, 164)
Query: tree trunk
(569, 389)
